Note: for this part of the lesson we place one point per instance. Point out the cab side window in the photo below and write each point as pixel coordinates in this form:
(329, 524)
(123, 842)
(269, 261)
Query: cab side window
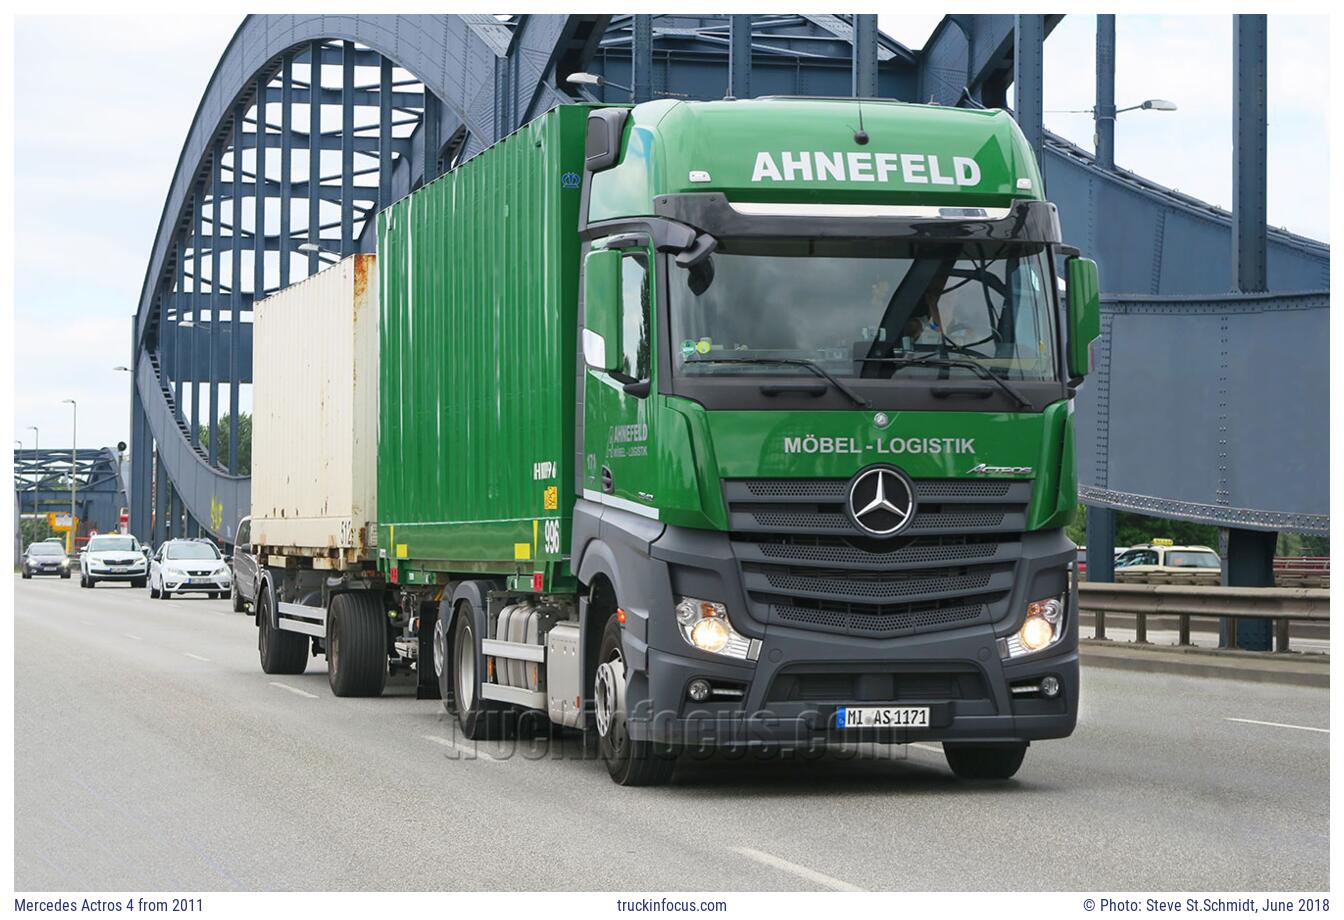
(635, 344)
(244, 532)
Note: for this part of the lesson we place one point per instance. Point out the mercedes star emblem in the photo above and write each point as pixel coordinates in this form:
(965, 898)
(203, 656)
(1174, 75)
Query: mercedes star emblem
(881, 501)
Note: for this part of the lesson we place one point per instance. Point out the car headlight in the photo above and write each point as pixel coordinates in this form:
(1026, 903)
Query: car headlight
(1042, 627)
(705, 626)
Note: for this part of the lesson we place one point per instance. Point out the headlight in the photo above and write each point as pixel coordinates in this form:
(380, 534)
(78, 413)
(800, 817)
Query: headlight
(1042, 628)
(704, 625)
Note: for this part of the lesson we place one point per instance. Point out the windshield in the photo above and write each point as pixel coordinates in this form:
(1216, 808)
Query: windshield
(191, 551)
(46, 549)
(866, 310)
(113, 544)
(1187, 559)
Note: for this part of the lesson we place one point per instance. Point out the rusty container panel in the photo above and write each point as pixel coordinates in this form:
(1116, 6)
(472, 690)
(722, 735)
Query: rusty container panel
(315, 413)
(479, 272)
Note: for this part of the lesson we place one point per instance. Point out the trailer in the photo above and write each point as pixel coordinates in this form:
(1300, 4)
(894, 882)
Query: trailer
(692, 425)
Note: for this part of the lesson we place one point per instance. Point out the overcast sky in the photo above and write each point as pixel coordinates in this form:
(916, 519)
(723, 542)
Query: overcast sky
(103, 105)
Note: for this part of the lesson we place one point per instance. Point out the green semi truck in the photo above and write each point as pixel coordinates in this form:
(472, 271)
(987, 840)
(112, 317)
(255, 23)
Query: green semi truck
(693, 425)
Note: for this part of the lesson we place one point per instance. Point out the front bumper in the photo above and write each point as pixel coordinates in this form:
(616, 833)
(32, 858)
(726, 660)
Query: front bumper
(184, 584)
(48, 569)
(107, 574)
(791, 694)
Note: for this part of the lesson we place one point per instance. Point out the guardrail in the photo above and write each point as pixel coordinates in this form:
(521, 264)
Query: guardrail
(1282, 605)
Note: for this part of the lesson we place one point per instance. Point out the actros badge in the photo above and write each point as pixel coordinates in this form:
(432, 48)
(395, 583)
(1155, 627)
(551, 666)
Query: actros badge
(881, 500)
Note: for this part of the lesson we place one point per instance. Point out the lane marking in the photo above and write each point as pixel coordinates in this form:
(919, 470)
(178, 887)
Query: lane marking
(136, 638)
(197, 657)
(927, 747)
(811, 875)
(1301, 728)
(276, 683)
(471, 752)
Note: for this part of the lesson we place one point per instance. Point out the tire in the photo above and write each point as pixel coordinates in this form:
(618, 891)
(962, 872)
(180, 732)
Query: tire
(281, 652)
(480, 719)
(137, 582)
(630, 763)
(92, 581)
(165, 594)
(239, 605)
(153, 592)
(356, 645)
(985, 761)
(27, 574)
(66, 574)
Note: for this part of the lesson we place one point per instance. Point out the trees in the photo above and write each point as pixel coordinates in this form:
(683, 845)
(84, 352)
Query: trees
(244, 441)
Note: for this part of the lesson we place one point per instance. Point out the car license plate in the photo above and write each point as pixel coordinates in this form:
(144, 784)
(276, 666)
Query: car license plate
(882, 717)
(120, 568)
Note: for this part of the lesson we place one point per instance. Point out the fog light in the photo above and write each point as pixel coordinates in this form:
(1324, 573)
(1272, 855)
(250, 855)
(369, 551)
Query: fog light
(699, 690)
(1050, 686)
(710, 634)
(1036, 634)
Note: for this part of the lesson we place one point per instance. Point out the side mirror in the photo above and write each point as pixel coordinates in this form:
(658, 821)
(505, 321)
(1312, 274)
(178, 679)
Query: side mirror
(1084, 314)
(601, 310)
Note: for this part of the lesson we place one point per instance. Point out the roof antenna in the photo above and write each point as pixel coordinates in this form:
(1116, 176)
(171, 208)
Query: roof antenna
(861, 136)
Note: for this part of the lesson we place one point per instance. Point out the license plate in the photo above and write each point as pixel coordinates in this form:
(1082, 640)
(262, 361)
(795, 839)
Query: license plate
(882, 717)
(120, 568)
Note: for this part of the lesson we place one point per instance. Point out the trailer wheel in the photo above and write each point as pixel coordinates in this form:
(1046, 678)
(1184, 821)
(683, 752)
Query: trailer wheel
(480, 719)
(985, 761)
(281, 652)
(357, 645)
(630, 763)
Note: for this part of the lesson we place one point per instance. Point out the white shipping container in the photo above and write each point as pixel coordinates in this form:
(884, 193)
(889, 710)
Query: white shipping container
(315, 414)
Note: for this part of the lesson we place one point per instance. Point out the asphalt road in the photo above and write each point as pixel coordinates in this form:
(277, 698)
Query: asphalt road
(151, 753)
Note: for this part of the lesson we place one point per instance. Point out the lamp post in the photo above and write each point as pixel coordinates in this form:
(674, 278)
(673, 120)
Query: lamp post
(74, 439)
(37, 484)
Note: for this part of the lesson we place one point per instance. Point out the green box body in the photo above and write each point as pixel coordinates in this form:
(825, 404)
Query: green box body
(479, 277)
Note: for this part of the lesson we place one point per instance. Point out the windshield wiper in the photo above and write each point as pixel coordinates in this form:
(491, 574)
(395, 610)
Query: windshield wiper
(980, 371)
(813, 366)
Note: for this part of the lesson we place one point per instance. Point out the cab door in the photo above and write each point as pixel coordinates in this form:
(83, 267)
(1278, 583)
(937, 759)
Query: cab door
(617, 416)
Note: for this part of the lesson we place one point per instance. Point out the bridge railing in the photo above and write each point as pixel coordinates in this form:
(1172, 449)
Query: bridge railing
(1282, 605)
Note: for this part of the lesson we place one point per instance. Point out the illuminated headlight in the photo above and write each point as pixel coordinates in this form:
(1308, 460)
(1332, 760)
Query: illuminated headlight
(704, 625)
(1042, 628)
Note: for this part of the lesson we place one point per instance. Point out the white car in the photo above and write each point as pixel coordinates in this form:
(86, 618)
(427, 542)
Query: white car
(113, 557)
(186, 566)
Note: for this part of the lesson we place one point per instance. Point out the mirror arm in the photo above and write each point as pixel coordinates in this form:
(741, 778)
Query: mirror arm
(697, 252)
(1069, 252)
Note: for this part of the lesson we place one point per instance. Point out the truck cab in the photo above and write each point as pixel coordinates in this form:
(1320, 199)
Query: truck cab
(826, 430)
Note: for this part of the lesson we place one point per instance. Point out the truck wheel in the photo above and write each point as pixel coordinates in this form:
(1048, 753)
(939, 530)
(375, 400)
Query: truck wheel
(630, 763)
(985, 761)
(357, 645)
(239, 605)
(481, 719)
(281, 652)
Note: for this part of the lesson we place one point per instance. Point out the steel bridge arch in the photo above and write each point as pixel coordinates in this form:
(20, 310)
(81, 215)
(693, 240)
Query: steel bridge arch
(461, 62)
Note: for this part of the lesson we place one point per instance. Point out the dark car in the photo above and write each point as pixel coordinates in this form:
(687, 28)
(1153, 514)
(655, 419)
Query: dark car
(45, 558)
(244, 568)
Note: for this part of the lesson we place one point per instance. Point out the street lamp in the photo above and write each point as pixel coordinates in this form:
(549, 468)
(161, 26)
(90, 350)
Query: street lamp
(74, 439)
(1152, 105)
(37, 484)
(594, 79)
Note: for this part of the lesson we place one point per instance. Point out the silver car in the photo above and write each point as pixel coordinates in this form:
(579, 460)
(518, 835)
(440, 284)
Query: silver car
(45, 558)
(112, 557)
(188, 566)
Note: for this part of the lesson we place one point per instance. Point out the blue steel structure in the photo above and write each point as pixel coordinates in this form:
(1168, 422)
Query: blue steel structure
(42, 485)
(1214, 335)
